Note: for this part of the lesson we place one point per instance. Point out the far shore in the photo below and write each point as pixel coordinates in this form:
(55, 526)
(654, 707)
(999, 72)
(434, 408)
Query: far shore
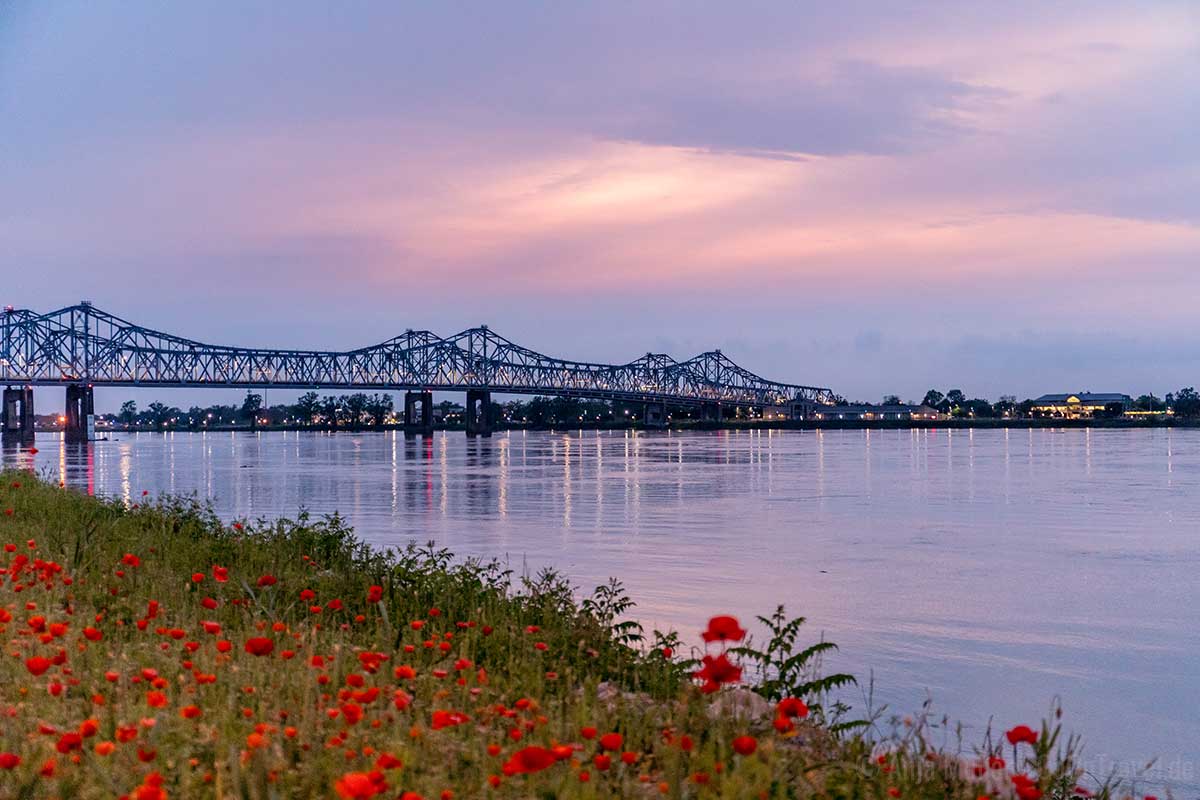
(695, 425)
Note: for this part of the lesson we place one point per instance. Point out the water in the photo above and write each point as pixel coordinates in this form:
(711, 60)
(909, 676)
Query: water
(992, 570)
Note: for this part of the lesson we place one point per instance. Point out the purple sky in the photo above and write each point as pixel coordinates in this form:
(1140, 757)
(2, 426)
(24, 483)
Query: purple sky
(1002, 197)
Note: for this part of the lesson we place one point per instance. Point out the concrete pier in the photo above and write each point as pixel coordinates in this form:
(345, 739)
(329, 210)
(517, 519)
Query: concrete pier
(801, 409)
(81, 414)
(479, 412)
(17, 406)
(418, 422)
(710, 412)
(656, 415)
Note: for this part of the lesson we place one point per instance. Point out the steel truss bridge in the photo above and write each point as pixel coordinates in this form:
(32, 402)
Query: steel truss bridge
(84, 346)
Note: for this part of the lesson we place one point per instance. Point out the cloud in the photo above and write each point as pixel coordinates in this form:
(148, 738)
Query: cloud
(851, 107)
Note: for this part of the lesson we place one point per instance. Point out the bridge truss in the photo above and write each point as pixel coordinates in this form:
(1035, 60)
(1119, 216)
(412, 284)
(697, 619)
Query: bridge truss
(81, 344)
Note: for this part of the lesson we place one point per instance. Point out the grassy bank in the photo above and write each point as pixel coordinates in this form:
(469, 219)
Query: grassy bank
(155, 652)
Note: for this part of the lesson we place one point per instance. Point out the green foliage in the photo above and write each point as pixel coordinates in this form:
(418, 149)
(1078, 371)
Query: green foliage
(786, 671)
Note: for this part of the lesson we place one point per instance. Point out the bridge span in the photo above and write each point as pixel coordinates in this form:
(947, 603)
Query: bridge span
(81, 347)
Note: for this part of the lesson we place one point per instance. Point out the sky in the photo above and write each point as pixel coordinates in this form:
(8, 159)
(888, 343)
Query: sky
(874, 197)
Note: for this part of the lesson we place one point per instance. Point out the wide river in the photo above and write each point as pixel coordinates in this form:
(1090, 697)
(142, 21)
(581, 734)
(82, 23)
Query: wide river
(993, 571)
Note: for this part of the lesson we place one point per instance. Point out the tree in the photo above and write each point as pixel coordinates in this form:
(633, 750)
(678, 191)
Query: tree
(955, 397)
(128, 412)
(250, 406)
(976, 407)
(933, 398)
(159, 413)
(329, 410)
(307, 406)
(891, 400)
(356, 406)
(1148, 402)
(378, 407)
(1187, 402)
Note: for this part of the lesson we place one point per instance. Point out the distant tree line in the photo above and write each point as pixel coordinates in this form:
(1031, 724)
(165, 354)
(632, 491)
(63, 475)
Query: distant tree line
(362, 410)
(954, 402)
(348, 410)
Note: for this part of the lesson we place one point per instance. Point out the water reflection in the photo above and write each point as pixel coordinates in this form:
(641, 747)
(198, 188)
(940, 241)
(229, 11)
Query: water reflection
(995, 569)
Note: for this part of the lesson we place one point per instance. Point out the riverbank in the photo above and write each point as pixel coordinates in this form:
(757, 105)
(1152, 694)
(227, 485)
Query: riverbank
(157, 651)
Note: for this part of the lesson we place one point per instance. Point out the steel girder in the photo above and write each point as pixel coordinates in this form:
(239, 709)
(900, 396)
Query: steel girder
(82, 344)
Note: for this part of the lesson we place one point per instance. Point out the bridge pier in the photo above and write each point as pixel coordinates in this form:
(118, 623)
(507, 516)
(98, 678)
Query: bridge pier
(479, 413)
(81, 414)
(710, 412)
(801, 409)
(655, 415)
(17, 424)
(413, 425)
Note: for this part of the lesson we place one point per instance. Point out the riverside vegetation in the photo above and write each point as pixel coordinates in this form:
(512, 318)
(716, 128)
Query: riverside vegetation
(152, 651)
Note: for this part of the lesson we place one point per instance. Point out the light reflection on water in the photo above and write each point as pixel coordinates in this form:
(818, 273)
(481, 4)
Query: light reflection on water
(995, 569)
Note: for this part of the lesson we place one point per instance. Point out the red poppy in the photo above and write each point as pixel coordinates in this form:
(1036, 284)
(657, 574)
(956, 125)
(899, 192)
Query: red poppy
(1021, 733)
(611, 741)
(220, 574)
(530, 759)
(37, 665)
(374, 594)
(388, 761)
(357, 785)
(745, 745)
(260, 646)
(267, 580)
(446, 719)
(792, 707)
(723, 629)
(717, 671)
(9, 760)
(1025, 787)
(68, 742)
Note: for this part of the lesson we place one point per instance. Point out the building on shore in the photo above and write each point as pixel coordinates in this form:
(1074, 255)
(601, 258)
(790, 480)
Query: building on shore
(888, 411)
(1082, 405)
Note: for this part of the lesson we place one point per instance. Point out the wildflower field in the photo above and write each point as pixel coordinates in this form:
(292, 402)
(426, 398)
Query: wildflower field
(153, 651)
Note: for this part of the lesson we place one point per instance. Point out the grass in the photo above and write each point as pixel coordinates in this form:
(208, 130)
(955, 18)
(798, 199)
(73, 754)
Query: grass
(154, 651)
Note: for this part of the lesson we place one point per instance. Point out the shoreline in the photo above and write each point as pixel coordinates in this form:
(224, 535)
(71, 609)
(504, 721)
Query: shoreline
(783, 425)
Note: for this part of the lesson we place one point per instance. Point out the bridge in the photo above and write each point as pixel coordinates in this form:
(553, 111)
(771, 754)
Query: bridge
(81, 347)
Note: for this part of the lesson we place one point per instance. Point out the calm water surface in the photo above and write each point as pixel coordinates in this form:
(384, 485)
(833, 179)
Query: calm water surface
(991, 570)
